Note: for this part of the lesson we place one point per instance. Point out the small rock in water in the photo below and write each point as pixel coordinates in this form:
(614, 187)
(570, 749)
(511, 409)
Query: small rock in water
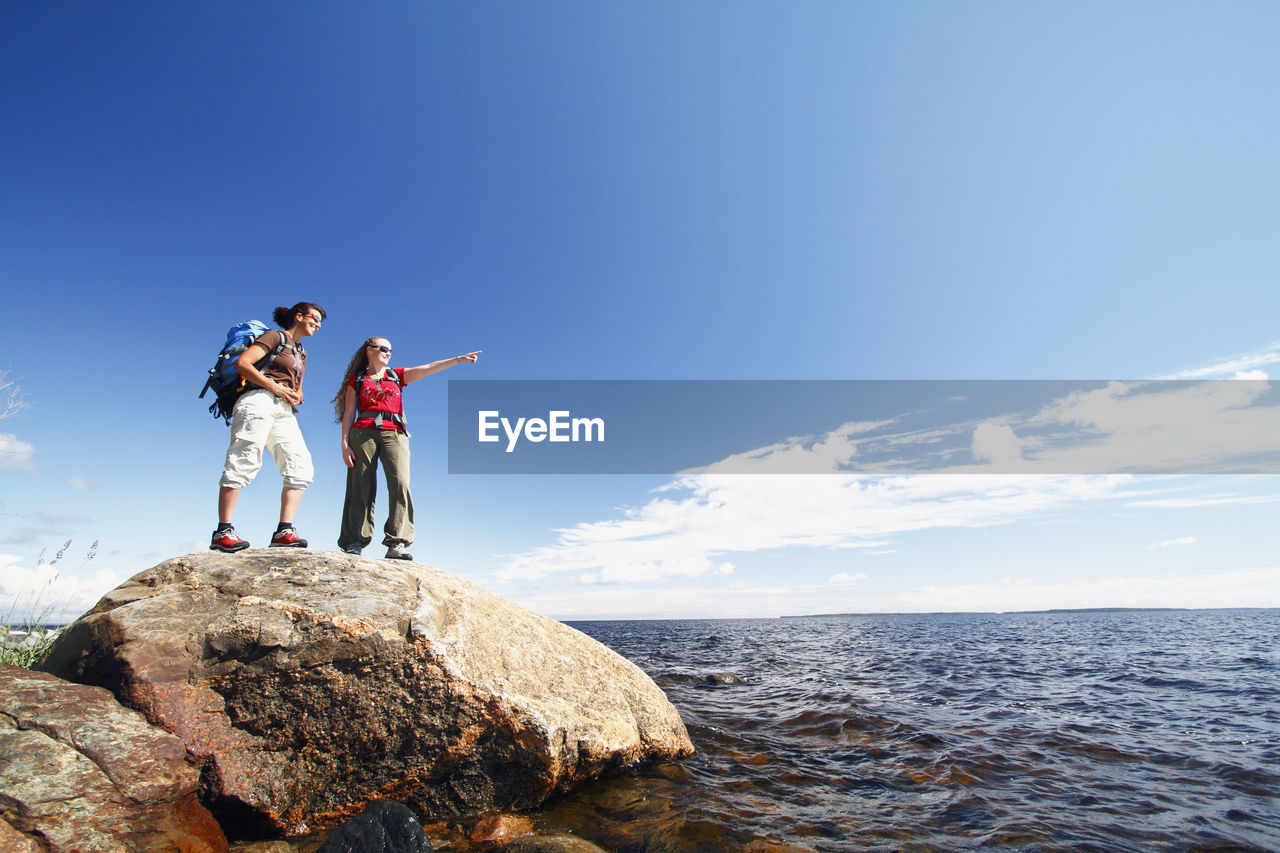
(501, 828)
(383, 827)
(722, 678)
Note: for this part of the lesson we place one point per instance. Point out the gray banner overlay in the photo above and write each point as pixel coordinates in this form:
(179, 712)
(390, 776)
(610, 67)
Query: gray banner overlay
(864, 427)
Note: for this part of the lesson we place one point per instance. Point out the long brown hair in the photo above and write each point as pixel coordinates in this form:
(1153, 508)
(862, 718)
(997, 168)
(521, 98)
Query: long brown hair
(359, 362)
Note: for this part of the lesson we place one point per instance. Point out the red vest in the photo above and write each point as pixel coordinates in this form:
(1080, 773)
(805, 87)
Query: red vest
(378, 402)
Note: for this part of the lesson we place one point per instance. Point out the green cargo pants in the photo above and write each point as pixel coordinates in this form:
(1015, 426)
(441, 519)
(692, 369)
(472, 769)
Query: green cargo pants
(370, 446)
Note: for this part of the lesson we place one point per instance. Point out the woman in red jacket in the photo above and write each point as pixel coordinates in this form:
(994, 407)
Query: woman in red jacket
(369, 407)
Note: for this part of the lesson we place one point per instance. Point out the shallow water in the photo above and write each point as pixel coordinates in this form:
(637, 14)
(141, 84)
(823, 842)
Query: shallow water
(1111, 731)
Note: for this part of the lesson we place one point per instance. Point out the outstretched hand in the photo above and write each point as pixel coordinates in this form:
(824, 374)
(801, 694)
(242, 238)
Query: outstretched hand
(413, 374)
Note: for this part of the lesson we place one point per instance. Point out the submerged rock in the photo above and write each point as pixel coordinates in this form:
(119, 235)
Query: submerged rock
(80, 772)
(501, 828)
(307, 683)
(383, 827)
(555, 843)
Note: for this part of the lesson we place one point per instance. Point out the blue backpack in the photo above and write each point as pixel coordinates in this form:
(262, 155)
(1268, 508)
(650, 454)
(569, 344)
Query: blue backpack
(224, 380)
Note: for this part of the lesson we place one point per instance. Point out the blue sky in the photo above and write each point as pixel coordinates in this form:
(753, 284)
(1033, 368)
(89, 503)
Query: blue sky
(642, 191)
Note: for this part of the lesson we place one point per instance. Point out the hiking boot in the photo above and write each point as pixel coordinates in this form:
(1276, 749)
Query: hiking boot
(398, 551)
(227, 540)
(287, 538)
(354, 548)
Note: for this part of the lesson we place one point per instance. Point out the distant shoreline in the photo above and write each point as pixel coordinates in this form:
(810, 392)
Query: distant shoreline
(1055, 611)
(1058, 610)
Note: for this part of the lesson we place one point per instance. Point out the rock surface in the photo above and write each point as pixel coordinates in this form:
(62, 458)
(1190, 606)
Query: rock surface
(12, 841)
(307, 683)
(79, 772)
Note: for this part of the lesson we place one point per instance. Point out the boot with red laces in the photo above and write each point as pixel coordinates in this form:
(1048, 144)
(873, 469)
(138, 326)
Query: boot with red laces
(287, 537)
(226, 539)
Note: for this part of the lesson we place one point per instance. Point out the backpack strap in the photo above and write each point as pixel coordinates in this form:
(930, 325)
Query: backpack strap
(280, 347)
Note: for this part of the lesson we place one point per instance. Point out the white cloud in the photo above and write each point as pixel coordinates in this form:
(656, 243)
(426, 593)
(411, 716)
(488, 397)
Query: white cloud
(697, 520)
(1171, 543)
(1139, 426)
(689, 526)
(49, 591)
(675, 566)
(996, 442)
(1146, 427)
(16, 453)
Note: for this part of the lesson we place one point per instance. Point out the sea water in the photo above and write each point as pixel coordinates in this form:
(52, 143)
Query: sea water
(1107, 731)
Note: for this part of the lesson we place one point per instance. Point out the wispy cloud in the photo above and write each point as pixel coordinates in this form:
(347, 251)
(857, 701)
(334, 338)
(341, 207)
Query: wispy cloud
(81, 483)
(1245, 365)
(1172, 543)
(1202, 501)
(1258, 587)
(43, 528)
(1253, 588)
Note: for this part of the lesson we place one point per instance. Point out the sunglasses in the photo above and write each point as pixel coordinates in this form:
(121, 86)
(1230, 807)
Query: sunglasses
(380, 348)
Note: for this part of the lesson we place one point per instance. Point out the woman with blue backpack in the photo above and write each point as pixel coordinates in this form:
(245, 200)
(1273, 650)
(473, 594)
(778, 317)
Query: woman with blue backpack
(263, 419)
(369, 407)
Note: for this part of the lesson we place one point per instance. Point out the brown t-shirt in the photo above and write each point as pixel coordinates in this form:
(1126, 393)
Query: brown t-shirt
(289, 364)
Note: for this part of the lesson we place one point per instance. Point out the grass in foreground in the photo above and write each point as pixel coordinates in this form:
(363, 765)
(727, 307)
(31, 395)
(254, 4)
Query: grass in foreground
(24, 641)
(28, 653)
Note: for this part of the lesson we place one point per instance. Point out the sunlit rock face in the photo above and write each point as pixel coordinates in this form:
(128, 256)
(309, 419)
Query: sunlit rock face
(306, 683)
(80, 772)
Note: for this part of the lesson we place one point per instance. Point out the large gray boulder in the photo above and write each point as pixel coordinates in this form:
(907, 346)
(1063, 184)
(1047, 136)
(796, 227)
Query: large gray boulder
(79, 772)
(307, 683)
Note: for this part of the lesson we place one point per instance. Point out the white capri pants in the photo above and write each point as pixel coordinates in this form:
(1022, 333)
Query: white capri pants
(262, 420)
